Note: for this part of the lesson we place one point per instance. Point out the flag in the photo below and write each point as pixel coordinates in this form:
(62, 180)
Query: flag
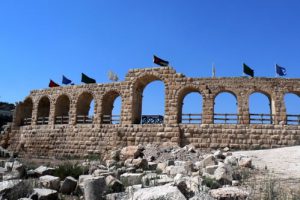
(86, 79)
(160, 61)
(281, 71)
(248, 70)
(53, 84)
(65, 80)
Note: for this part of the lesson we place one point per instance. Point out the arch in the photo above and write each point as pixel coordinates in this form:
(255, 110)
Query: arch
(226, 108)
(138, 89)
(291, 100)
(190, 94)
(108, 102)
(62, 108)
(84, 114)
(260, 107)
(43, 110)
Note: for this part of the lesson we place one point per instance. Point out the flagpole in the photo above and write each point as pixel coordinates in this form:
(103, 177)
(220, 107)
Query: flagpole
(213, 71)
(276, 75)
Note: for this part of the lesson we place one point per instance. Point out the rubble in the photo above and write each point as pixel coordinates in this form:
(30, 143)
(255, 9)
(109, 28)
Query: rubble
(150, 172)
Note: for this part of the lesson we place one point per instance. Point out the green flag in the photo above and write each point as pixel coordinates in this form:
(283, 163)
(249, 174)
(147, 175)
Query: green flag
(248, 70)
(86, 79)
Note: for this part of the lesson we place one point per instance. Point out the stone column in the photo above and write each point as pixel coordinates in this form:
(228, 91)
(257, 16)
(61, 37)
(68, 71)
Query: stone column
(243, 108)
(278, 108)
(34, 113)
(72, 112)
(52, 113)
(208, 109)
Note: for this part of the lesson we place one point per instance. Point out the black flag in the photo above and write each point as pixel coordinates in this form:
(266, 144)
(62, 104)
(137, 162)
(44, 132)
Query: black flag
(160, 61)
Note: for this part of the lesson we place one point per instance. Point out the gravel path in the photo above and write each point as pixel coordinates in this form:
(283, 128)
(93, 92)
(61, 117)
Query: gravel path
(283, 162)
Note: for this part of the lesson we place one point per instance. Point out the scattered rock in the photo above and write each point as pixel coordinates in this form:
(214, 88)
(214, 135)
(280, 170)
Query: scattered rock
(173, 170)
(113, 184)
(68, 185)
(231, 160)
(229, 193)
(161, 167)
(50, 182)
(94, 188)
(129, 179)
(131, 152)
(223, 174)
(43, 170)
(44, 194)
(165, 192)
(245, 162)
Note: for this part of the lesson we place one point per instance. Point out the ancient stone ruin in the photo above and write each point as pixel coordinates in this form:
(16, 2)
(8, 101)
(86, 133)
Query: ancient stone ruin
(55, 121)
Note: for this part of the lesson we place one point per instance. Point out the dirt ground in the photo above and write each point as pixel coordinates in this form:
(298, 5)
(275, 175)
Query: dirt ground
(283, 163)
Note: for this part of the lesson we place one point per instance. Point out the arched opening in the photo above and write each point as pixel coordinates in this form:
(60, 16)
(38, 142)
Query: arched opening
(292, 109)
(111, 108)
(190, 107)
(226, 108)
(85, 108)
(43, 111)
(260, 111)
(148, 101)
(62, 108)
(24, 112)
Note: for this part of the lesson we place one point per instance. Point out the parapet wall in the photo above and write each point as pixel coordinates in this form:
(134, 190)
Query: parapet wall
(72, 138)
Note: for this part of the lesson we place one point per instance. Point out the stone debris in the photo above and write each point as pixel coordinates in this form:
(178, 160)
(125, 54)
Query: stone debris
(50, 182)
(135, 172)
(43, 170)
(165, 192)
(229, 193)
(68, 185)
(44, 194)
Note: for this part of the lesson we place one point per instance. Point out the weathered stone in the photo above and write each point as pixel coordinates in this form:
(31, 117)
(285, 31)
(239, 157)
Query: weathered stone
(130, 152)
(68, 185)
(43, 170)
(245, 162)
(207, 161)
(223, 173)
(110, 163)
(81, 180)
(211, 169)
(44, 194)
(146, 179)
(165, 192)
(231, 160)
(161, 167)
(173, 170)
(115, 155)
(5, 186)
(152, 166)
(113, 184)
(50, 182)
(140, 163)
(129, 179)
(219, 155)
(229, 193)
(117, 196)
(94, 188)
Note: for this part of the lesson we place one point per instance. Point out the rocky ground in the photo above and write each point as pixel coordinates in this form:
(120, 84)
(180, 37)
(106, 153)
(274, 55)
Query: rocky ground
(150, 172)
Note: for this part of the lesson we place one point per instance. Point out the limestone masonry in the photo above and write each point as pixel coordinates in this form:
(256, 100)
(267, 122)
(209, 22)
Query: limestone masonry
(54, 121)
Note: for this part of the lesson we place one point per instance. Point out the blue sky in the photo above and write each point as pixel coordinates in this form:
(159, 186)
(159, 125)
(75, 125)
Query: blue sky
(46, 39)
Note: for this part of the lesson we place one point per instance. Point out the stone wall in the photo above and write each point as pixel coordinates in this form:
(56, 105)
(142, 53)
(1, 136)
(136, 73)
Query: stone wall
(81, 139)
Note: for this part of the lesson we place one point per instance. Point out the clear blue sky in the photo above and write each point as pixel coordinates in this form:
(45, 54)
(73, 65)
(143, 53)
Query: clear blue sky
(45, 39)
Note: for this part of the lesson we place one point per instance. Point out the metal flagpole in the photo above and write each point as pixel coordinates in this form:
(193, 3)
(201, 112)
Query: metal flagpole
(276, 75)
